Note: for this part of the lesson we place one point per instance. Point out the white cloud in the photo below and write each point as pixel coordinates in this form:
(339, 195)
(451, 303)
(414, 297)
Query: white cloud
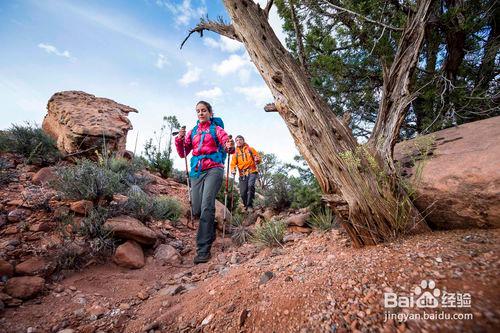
(183, 12)
(259, 95)
(232, 64)
(192, 75)
(225, 44)
(53, 50)
(161, 61)
(210, 93)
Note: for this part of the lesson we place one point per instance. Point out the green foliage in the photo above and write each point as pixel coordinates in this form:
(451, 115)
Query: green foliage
(279, 195)
(144, 207)
(240, 234)
(269, 233)
(88, 180)
(344, 55)
(30, 141)
(323, 221)
(159, 159)
(179, 176)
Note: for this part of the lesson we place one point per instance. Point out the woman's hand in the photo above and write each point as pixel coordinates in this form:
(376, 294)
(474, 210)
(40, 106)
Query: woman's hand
(229, 144)
(182, 132)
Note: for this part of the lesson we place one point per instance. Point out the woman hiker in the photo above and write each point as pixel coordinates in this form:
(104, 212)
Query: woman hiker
(209, 144)
(246, 160)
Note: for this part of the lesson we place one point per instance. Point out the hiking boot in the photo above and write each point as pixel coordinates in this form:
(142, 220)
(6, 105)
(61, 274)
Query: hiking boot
(201, 258)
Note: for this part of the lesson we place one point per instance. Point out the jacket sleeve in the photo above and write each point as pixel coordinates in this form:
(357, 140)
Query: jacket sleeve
(179, 143)
(256, 156)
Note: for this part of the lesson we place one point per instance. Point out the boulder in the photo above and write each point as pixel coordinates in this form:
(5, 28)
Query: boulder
(460, 183)
(298, 220)
(81, 207)
(127, 227)
(129, 255)
(6, 269)
(34, 266)
(219, 214)
(167, 254)
(44, 176)
(81, 122)
(24, 287)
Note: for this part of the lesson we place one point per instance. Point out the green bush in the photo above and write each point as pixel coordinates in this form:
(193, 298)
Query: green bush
(88, 180)
(158, 160)
(31, 142)
(269, 233)
(279, 195)
(324, 220)
(144, 207)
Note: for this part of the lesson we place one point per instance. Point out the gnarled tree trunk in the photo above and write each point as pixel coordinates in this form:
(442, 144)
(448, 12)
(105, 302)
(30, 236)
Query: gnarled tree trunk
(358, 182)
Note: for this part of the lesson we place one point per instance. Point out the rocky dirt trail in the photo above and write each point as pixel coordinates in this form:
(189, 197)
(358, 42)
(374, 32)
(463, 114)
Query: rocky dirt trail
(316, 284)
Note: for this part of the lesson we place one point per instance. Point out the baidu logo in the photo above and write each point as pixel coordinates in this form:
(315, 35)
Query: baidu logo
(426, 295)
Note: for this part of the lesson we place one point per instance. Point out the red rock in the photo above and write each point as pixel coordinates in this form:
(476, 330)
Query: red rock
(6, 269)
(81, 207)
(42, 226)
(167, 254)
(294, 228)
(78, 121)
(460, 182)
(10, 230)
(219, 214)
(24, 287)
(33, 266)
(298, 220)
(129, 255)
(128, 227)
(44, 176)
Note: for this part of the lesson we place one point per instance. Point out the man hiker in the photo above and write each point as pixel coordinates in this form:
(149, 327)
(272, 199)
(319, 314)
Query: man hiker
(246, 160)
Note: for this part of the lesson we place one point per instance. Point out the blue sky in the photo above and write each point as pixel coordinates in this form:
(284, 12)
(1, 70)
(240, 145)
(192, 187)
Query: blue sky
(129, 51)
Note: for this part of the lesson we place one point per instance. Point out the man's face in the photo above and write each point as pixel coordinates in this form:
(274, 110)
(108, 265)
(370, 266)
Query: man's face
(240, 142)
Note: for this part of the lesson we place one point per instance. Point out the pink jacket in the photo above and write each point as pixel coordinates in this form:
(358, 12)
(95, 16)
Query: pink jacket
(208, 146)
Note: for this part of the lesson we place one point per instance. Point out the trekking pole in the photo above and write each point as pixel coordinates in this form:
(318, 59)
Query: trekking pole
(187, 179)
(232, 199)
(225, 198)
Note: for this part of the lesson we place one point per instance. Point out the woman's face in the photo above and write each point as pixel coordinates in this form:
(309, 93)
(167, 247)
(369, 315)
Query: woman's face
(202, 112)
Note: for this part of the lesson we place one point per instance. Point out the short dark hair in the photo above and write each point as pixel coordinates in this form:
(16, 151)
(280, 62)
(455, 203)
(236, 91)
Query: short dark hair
(209, 107)
(240, 136)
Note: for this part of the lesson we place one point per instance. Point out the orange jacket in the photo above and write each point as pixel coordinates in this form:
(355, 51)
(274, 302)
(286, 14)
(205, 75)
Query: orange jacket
(242, 159)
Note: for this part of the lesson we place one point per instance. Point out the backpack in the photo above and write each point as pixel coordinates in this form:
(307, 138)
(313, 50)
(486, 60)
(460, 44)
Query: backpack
(219, 156)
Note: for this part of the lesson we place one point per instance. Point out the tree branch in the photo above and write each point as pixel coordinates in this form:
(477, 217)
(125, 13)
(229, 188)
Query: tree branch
(268, 8)
(219, 27)
(358, 15)
(298, 36)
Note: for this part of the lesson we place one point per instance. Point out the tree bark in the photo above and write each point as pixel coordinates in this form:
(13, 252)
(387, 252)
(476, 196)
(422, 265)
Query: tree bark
(354, 179)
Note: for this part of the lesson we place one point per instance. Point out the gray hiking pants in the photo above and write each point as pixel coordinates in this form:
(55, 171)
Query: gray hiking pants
(204, 190)
(247, 189)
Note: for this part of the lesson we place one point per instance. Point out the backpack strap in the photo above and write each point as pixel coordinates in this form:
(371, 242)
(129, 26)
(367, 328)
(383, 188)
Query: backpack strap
(218, 156)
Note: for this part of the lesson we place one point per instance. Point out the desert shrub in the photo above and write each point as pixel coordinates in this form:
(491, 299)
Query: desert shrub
(144, 207)
(88, 180)
(30, 141)
(70, 257)
(240, 234)
(92, 228)
(166, 209)
(269, 233)
(324, 220)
